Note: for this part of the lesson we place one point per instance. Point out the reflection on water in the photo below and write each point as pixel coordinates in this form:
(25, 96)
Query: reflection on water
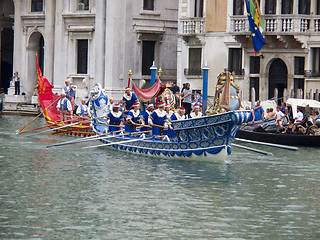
(71, 193)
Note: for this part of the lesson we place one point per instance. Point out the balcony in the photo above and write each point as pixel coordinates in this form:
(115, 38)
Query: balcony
(192, 26)
(278, 24)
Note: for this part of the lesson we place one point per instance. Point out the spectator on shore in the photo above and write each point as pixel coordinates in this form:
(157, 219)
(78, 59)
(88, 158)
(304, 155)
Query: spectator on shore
(16, 80)
(187, 98)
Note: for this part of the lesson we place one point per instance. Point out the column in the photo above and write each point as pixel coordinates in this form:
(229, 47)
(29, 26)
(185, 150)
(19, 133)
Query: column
(49, 39)
(100, 38)
(278, 7)
(205, 88)
(295, 7)
(17, 45)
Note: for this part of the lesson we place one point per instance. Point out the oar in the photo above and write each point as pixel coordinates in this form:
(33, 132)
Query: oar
(121, 142)
(37, 116)
(36, 129)
(51, 129)
(252, 149)
(95, 137)
(286, 147)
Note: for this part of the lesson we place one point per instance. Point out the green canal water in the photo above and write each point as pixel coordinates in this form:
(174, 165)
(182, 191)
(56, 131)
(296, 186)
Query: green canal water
(75, 193)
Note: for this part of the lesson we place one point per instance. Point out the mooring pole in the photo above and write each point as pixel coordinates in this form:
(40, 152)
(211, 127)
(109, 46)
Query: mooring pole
(153, 69)
(205, 69)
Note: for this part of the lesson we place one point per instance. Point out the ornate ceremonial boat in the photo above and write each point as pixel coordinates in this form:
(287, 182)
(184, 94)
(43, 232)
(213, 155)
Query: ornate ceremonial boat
(207, 138)
(48, 104)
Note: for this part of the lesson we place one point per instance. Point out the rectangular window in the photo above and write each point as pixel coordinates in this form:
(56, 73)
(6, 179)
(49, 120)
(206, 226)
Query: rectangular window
(315, 54)
(298, 83)
(254, 83)
(198, 8)
(287, 7)
(318, 8)
(270, 6)
(238, 7)
(235, 60)
(36, 5)
(148, 49)
(304, 7)
(255, 65)
(299, 65)
(194, 61)
(148, 5)
(82, 67)
(83, 5)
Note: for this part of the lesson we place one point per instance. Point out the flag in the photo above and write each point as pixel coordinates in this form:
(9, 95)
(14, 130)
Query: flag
(44, 86)
(256, 24)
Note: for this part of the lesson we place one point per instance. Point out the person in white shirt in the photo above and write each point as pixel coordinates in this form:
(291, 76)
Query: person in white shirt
(64, 107)
(82, 110)
(180, 115)
(70, 91)
(169, 112)
(110, 105)
(196, 112)
(299, 116)
(279, 116)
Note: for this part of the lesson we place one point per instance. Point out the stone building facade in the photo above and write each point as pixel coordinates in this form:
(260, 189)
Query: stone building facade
(90, 41)
(217, 32)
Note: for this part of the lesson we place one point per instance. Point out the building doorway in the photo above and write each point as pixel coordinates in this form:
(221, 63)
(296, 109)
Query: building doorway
(6, 43)
(35, 46)
(278, 77)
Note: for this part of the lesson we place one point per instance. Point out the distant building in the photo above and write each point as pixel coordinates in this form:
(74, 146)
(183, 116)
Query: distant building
(89, 41)
(217, 32)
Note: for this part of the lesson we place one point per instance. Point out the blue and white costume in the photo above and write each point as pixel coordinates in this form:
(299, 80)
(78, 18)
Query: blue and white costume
(134, 116)
(158, 117)
(82, 110)
(70, 90)
(115, 119)
(146, 116)
(129, 100)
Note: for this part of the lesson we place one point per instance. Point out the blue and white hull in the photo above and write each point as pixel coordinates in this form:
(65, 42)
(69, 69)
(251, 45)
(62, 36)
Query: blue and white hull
(207, 138)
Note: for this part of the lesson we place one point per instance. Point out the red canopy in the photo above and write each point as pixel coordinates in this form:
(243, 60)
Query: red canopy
(150, 93)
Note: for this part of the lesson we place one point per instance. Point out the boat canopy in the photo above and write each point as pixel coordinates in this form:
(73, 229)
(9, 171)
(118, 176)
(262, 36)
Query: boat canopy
(294, 102)
(150, 93)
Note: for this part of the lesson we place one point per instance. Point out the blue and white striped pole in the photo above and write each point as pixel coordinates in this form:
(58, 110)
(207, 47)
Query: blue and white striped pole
(205, 69)
(153, 69)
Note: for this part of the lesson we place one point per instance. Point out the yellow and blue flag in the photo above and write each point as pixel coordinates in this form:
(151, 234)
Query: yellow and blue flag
(256, 24)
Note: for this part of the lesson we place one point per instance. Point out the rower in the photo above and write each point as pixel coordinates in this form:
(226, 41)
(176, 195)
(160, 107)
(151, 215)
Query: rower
(134, 118)
(64, 107)
(146, 115)
(82, 110)
(70, 91)
(168, 111)
(159, 121)
(299, 117)
(129, 98)
(196, 112)
(180, 115)
(115, 116)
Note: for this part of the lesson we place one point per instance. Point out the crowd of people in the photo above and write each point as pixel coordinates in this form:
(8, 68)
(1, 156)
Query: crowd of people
(299, 124)
(127, 111)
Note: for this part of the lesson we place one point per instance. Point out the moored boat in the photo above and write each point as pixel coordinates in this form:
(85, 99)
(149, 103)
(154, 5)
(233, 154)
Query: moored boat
(267, 131)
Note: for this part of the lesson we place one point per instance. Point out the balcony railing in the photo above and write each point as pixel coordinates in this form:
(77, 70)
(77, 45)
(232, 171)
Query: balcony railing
(192, 26)
(275, 24)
